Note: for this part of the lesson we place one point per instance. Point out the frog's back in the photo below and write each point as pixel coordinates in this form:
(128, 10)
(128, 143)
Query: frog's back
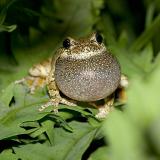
(89, 79)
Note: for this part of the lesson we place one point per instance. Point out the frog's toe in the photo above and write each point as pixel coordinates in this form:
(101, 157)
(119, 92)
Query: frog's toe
(68, 102)
(50, 103)
(20, 81)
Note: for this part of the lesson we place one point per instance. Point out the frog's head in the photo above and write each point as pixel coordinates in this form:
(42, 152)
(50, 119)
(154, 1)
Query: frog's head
(83, 48)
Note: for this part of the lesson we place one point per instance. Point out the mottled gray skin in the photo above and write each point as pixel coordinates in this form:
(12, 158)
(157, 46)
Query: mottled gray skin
(87, 78)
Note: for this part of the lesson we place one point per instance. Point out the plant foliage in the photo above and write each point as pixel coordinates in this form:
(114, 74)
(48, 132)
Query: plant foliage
(31, 31)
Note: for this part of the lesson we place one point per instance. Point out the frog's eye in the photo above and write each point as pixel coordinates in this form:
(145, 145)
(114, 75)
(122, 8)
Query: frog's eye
(66, 43)
(99, 38)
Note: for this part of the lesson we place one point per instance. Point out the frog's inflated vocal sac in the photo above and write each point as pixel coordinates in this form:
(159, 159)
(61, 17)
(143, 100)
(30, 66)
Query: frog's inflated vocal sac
(83, 70)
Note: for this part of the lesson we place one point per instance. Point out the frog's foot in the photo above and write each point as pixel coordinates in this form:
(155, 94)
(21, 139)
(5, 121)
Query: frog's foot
(68, 102)
(104, 111)
(106, 108)
(32, 82)
(123, 82)
(121, 91)
(50, 103)
(20, 81)
(29, 82)
(55, 102)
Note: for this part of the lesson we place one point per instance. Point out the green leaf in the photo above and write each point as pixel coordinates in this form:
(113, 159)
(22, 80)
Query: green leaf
(61, 122)
(77, 109)
(10, 123)
(73, 144)
(150, 14)
(48, 125)
(7, 28)
(34, 152)
(77, 20)
(106, 26)
(3, 12)
(144, 59)
(123, 40)
(146, 36)
(38, 132)
(100, 154)
(7, 94)
(126, 61)
(12, 130)
(135, 63)
(3, 15)
(154, 131)
(19, 95)
(123, 136)
(8, 155)
(144, 98)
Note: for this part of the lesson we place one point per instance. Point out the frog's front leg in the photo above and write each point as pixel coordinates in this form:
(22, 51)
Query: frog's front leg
(105, 109)
(109, 101)
(55, 97)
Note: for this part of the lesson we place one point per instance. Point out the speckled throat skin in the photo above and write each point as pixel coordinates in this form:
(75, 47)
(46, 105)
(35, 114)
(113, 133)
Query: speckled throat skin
(88, 79)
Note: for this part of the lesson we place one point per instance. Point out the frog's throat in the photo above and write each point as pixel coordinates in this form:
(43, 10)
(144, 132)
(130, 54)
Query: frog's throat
(82, 55)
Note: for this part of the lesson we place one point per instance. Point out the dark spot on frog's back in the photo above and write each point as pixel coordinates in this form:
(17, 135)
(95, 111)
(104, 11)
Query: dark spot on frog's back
(88, 79)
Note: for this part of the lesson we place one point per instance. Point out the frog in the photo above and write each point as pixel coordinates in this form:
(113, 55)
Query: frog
(83, 70)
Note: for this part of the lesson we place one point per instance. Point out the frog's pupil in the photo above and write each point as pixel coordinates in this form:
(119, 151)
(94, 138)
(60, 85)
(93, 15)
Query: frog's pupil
(66, 43)
(99, 38)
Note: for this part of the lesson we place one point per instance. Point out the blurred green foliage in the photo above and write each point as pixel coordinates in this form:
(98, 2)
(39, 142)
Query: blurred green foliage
(30, 31)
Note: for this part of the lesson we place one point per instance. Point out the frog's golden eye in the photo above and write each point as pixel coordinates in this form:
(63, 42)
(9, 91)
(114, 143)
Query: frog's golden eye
(66, 43)
(99, 38)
